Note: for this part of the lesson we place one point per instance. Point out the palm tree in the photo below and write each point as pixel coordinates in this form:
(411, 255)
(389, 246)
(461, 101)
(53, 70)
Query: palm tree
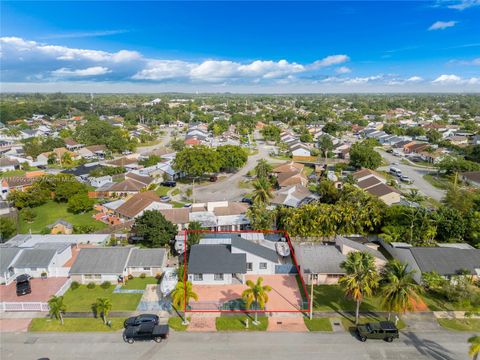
(399, 290)
(262, 192)
(57, 308)
(263, 169)
(182, 294)
(361, 277)
(415, 196)
(103, 306)
(256, 293)
(474, 349)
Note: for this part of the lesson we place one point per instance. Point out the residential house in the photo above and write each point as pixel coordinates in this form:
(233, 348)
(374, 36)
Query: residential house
(389, 195)
(72, 145)
(7, 164)
(92, 152)
(300, 150)
(61, 227)
(136, 205)
(132, 185)
(292, 196)
(472, 178)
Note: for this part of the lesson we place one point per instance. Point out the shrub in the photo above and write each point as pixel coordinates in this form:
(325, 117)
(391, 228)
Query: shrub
(130, 276)
(105, 285)
(158, 276)
(75, 285)
(143, 276)
(91, 285)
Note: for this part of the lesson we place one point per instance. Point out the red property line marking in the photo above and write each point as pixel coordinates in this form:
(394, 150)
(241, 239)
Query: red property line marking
(292, 253)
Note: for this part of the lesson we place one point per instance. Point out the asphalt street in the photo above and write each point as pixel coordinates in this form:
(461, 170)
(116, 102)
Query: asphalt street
(439, 345)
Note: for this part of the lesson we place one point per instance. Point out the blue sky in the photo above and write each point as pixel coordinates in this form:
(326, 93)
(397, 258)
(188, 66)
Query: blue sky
(241, 46)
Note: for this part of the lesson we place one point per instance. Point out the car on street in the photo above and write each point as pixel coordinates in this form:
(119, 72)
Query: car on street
(23, 285)
(405, 179)
(383, 330)
(141, 319)
(247, 201)
(169, 183)
(145, 332)
(165, 198)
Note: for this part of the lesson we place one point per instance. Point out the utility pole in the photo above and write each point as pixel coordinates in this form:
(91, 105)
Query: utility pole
(312, 277)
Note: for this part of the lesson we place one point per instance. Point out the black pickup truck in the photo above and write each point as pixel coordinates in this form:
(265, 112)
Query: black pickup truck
(144, 332)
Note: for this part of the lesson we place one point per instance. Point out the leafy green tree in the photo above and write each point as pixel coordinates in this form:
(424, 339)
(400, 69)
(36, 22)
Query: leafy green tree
(361, 277)
(232, 157)
(7, 228)
(150, 161)
(96, 132)
(194, 237)
(262, 193)
(454, 164)
(257, 294)
(399, 290)
(329, 194)
(474, 349)
(80, 203)
(197, 160)
(271, 133)
(460, 199)
(451, 224)
(263, 169)
(155, 230)
(325, 144)
(183, 291)
(414, 195)
(28, 214)
(363, 155)
(57, 308)
(103, 306)
(66, 187)
(434, 136)
(35, 195)
(260, 217)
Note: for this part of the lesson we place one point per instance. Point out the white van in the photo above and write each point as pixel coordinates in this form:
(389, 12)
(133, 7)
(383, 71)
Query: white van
(395, 171)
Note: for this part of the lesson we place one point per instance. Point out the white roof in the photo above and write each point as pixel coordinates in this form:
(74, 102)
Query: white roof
(26, 240)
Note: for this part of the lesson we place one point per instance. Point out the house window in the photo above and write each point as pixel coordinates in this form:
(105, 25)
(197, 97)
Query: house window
(334, 276)
(249, 266)
(146, 268)
(263, 266)
(197, 277)
(218, 277)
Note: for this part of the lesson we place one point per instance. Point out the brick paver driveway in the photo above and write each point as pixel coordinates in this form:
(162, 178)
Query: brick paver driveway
(42, 289)
(14, 325)
(285, 294)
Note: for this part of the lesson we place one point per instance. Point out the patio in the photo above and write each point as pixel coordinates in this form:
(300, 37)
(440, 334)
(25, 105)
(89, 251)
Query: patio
(285, 294)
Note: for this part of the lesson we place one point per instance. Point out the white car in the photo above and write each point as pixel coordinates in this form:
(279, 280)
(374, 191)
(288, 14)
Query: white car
(406, 179)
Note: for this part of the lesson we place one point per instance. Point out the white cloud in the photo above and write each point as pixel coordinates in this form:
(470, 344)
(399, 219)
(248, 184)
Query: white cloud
(343, 70)
(91, 71)
(363, 80)
(76, 35)
(329, 61)
(414, 79)
(463, 4)
(442, 25)
(455, 79)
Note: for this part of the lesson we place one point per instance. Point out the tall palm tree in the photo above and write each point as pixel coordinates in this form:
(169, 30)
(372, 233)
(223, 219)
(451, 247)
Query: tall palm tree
(256, 293)
(399, 290)
(57, 308)
(103, 306)
(262, 192)
(182, 295)
(263, 169)
(361, 277)
(474, 349)
(415, 196)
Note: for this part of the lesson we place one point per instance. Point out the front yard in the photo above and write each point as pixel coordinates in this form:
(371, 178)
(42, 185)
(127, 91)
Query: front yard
(52, 211)
(237, 323)
(82, 299)
(75, 325)
(332, 298)
(318, 324)
(460, 324)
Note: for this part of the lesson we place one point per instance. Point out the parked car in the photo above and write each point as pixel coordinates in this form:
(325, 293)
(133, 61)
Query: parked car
(141, 319)
(188, 205)
(169, 183)
(384, 330)
(145, 332)
(406, 179)
(247, 201)
(165, 198)
(23, 285)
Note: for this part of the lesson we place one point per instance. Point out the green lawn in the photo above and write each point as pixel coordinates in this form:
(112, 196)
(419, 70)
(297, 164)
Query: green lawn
(162, 190)
(460, 324)
(52, 211)
(318, 324)
(82, 299)
(237, 323)
(439, 182)
(176, 323)
(349, 323)
(12, 173)
(139, 283)
(75, 325)
(436, 302)
(177, 204)
(332, 298)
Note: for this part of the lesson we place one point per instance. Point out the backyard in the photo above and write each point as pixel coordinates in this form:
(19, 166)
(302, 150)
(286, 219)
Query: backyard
(52, 211)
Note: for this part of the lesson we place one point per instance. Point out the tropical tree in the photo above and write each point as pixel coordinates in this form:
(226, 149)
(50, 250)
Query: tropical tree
(57, 308)
(194, 237)
(256, 293)
(103, 306)
(325, 144)
(474, 349)
(415, 196)
(399, 290)
(361, 277)
(263, 169)
(262, 192)
(182, 294)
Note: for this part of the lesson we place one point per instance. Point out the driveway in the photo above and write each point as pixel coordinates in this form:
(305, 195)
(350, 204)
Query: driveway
(285, 294)
(42, 289)
(14, 325)
(416, 174)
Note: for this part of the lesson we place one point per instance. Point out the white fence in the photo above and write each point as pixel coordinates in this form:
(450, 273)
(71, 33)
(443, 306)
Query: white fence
(64, 287)
(23, 306)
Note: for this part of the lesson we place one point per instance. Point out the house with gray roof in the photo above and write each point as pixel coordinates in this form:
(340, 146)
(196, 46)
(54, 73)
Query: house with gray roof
(8, 255)
(225, 258)
(110, 263)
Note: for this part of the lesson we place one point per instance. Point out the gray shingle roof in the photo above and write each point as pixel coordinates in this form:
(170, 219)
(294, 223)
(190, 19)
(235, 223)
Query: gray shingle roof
(255, 249)
(101, 261)
(340, 240)
(215, 259)
(319, 259)
(7, 254)
(146, 257)
(35, 258)
(446, 261)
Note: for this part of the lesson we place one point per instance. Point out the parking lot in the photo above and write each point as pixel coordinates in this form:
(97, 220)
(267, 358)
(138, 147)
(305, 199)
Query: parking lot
(42, 289)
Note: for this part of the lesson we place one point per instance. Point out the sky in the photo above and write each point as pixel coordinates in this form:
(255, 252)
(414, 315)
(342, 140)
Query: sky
(244, 47)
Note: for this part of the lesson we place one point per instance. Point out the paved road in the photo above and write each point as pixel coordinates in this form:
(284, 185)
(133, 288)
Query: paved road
(439, 345)
(416, 174)
(164, 141)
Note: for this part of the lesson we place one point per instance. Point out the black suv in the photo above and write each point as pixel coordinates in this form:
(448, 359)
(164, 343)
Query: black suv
(384, 330)
(146, 331)
(169, 183)
(141, 319)
(23, 285)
